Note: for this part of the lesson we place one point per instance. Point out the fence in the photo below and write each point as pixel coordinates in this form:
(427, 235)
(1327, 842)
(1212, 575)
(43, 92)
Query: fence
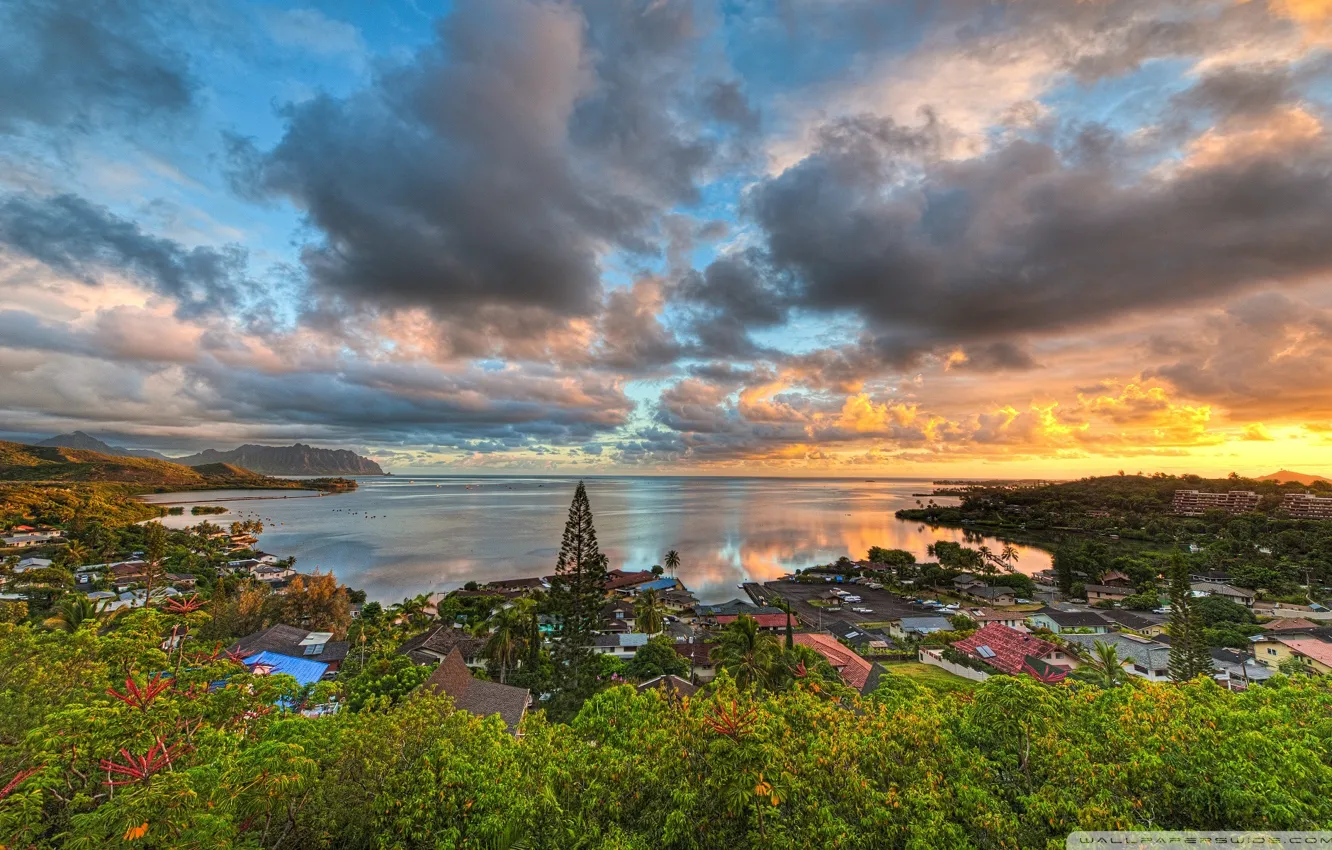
(935, 658)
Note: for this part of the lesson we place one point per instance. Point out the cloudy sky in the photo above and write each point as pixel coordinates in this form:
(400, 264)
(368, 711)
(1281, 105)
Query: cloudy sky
(954, 237)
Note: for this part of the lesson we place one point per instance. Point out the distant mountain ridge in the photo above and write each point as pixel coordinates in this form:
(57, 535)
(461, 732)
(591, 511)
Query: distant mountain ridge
(298, 459)
(89, 443)
(1296, 477)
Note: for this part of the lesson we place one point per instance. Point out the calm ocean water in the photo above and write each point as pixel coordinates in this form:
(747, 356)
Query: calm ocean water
(399, 536)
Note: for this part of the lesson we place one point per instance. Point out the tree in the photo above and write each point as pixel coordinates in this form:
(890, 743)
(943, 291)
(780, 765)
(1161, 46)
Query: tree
(154, 543)
(1102, 666)
(71, 612)
(786, 609)
(672, 561)
(576, 594)
(657, 570)
(317, 603)
(749, 654)
(1189, 657)
(508, 638)
(656, 658)
(648, 613)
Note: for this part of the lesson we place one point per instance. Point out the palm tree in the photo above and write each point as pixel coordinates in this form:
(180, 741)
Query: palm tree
(508, 638)
(76, 553)
(672, 561)
(748, 653)
(72, 612)
(648, 612)
(1103, 666)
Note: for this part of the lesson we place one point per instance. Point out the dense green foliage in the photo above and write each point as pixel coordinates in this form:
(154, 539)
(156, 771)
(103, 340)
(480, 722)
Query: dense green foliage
(1012, 764)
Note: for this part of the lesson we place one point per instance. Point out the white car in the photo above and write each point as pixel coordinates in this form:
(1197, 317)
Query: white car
(863, 610)
(953, 607)
(851, 599)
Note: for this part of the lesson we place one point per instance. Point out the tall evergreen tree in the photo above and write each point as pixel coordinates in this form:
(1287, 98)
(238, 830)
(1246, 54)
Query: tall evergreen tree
(1189, 657)
(576, 595)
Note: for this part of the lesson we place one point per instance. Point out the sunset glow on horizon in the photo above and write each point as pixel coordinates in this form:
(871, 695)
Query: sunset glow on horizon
(958, 239)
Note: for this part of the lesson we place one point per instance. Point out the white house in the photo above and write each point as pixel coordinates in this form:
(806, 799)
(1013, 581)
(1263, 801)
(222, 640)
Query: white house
(620, 645)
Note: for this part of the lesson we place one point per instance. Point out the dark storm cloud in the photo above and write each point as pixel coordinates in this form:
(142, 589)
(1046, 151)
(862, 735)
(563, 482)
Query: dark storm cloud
(1030, 237)
(65, 63)
(79, 239)
(497, 165)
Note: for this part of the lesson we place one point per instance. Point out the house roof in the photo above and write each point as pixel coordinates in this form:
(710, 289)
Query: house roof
(1239, 665)
(965, 579)
(853, 669)
(658, 585)
(699, 653)
(986, 615)
(1130, 619)
(734, 607)
(1149, 654)
(669, 685)
(287, 640)
(1072, 619)
(634, 639)
(1311, 648)
(1007, 647)
(304, 670)
(517, 583)
(1290, 624)
(1218, 589)
(992, 592)
(440, 641)
(765, 621)
(479, 697)
(616, 579)
(925, 625)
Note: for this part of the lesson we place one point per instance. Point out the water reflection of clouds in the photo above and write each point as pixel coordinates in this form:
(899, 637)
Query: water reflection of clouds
(396, 538)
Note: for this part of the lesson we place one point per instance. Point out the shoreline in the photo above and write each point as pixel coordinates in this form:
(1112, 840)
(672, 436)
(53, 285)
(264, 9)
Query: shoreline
(307, 494)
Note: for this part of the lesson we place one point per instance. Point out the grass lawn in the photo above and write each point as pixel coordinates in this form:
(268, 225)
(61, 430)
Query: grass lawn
(930, 676)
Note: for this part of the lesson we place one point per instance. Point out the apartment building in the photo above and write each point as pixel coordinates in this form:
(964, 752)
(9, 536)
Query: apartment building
(1197, 503)
(1307, 506)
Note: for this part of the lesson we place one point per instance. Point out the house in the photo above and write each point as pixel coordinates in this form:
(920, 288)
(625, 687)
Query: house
(1107, 592)
(127, 572)
(981, 616)
(1311, 652)
(296, 643)
(524, 585)
(1114, 578)
(435, 644)
(181, 581)
(1146, 659)
(1061, 622)
(139, 598)
(702, 668)
(1014, 652)
(618, 613)
(620, 645)
(673, 687)
(272, 573)
(678, 601)
(965, 582)
(1237, 595)
(767, 622)
(32, 564)
(24, 539)
(853, 669)
(1151, 625)
(908, 627)
(1236, 670)
(453, 679)
(994, 595)
(306, 671)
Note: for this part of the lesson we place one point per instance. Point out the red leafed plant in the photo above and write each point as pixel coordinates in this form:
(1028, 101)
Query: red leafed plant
(220, 653)
(17, 781)
(731, 722)
(137, 768)
(799, 670)
(183, 604)
(141, 698)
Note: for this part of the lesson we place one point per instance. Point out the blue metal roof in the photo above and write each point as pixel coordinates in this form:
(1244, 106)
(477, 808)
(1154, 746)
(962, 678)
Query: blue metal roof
(303, 670)
(659, 584)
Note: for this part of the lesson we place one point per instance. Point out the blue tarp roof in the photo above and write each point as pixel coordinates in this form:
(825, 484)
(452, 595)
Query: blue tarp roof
(303, 670)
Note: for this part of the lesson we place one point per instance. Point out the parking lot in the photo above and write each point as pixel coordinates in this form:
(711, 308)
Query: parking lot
(881, 604)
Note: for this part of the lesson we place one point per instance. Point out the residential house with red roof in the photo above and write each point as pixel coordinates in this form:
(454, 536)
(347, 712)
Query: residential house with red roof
(1014, 652)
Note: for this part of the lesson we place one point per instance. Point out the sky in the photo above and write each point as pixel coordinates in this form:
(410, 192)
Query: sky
(958, 238)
